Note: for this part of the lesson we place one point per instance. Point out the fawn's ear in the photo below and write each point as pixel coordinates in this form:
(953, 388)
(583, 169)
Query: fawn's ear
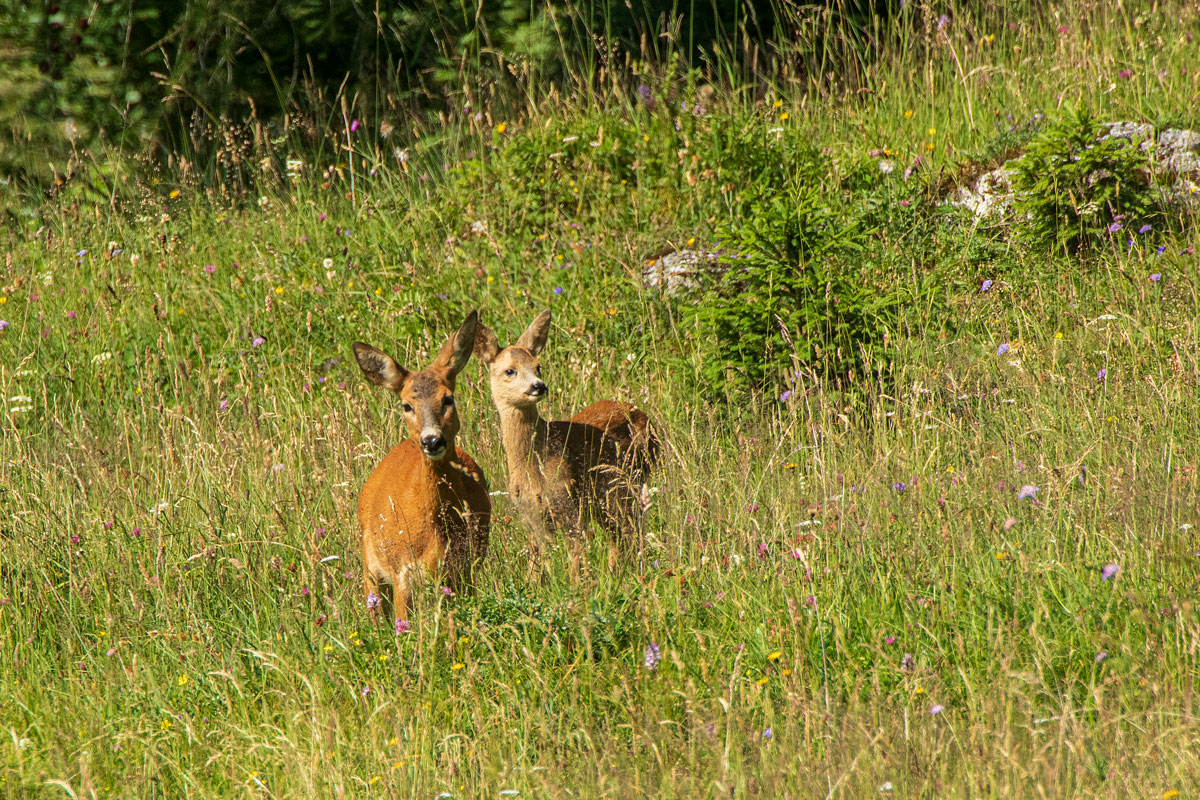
(380, 368)
(457, 349)
(534, 337)
(486, 346)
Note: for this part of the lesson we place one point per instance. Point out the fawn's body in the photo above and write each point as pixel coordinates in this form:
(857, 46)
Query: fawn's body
(565, 473)
(426, 505)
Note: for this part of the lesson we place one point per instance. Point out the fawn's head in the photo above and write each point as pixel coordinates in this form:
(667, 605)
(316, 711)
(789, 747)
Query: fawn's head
(427, 396)
(514, 371)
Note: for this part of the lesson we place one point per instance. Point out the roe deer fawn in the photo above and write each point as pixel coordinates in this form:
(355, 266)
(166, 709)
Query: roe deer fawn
(563, 473)
(427, 502)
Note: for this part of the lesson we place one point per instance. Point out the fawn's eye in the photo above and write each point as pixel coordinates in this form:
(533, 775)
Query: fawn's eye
(538, 370)
(510, 372)
(448, 400)
(407, 408)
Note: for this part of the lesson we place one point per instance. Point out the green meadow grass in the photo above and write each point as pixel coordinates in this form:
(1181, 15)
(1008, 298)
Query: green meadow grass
(841, 593)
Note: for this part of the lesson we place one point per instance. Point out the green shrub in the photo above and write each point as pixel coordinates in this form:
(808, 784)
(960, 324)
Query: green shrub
(797, 293)
(1076, 186)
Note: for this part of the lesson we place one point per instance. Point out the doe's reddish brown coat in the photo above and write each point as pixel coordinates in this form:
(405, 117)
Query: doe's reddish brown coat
(426, 506)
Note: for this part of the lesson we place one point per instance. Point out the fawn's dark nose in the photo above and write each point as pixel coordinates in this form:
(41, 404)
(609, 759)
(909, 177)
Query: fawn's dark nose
(433, 445)
(537, 389)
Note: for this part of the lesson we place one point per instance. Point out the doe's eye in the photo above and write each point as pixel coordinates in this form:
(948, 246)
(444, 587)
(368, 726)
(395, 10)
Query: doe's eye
(448, 400)
(510, 372)
(407, 408)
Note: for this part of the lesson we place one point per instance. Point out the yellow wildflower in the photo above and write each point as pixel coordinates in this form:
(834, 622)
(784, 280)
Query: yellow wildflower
(174, 193)
(502, 127)
(182, 680)
(932, 131)
(783, 117)
(775, 656)
(278, 290)
(457, 666)
(908, 114)
(763, 681)
(778, 104)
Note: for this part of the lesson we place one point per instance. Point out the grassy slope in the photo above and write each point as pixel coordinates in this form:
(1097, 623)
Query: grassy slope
(169, 624)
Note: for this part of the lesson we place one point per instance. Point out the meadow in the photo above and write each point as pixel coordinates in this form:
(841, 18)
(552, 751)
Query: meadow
(966, 569)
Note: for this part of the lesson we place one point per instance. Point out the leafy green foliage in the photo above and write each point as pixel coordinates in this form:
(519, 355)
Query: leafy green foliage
(794, 295)
(1076, 186)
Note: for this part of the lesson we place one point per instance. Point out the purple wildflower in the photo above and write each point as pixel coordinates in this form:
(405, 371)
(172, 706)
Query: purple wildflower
(210, 268)
(1156, 277)
(447, 591)
(1028, 492)
(373, 601)
(1114, 227)
(558, 290)
(646, 96)
(889, 640)
(768, 735)
(3, 324)
(783, 398)
(1145, 229)
(1101, 656)
(366, 691)
(1109, 572)
(1002, 349)
(224, 405)
(936, 709)
(942, 22)
(987, 284)
(652, 656)
(899, 486)
(353, 126)
(1125, 73)
(258, 341)
(1102, 374)
(402, 626)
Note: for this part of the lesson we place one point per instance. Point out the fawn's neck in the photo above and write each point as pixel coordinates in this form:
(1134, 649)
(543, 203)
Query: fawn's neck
(523, 434)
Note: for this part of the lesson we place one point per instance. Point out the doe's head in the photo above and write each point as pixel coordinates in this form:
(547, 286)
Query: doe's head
(514, 372)
(427, 397)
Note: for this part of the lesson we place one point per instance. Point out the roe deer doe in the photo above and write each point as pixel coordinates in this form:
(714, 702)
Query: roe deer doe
(427, 502)
(563, 473)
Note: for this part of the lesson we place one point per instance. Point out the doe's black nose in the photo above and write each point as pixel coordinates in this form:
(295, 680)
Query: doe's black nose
(433, 444)
(538, 389)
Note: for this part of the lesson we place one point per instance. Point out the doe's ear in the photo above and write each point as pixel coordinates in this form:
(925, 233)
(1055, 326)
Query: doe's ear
(486, 345)
(380, 368)
(457, 349)
(534, 337)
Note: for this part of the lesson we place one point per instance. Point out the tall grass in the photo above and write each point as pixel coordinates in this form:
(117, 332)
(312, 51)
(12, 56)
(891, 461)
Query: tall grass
(846, 600)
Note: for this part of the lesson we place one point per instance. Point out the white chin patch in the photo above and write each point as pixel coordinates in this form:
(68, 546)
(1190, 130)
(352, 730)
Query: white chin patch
(438, 457)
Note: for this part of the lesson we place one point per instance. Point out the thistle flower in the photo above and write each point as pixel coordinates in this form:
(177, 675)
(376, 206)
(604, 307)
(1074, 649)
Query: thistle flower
(1109, 572)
